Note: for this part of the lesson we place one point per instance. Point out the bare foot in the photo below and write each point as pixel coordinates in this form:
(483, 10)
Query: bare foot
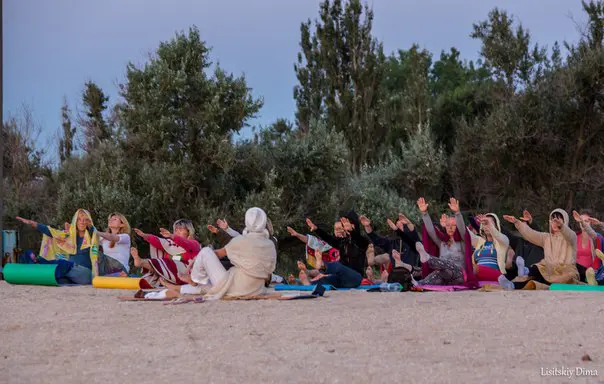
(301, 266)
(123, 274)
(303, 278)
(291, 279)
(369, 273)
(423, 255)
(137, 259)
(384, 275)
(590, 276)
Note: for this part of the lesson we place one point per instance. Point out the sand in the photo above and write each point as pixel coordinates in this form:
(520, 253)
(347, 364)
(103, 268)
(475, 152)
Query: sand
(85, 335)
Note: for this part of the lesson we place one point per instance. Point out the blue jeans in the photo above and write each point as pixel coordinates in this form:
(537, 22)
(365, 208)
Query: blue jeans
(69, 273)
(340, 276)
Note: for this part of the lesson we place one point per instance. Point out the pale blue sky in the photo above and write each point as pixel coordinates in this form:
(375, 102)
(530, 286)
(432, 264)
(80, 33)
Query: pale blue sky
(52, 47)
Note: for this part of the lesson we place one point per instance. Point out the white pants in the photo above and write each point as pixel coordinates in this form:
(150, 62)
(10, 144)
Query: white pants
(212, 265)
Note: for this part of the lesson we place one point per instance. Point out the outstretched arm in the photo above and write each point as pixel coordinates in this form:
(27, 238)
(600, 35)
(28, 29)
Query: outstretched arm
(297, 235)
(430, 228)
(527, 233)
(109, 236)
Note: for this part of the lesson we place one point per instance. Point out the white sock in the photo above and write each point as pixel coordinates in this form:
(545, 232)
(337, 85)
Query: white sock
(505, 283)
(156, 295)
(522, 270)
(189, 289)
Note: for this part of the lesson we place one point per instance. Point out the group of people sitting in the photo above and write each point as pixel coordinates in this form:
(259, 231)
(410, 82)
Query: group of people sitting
(454, 252)
(177, 262)
(451, 252)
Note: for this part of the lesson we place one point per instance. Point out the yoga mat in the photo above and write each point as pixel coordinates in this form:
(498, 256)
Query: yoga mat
(286, 287)
(131, 298)
(119, 282)
(310, 288)
(574, 287)
(443, 288)
(270, 297)
(360, 287)
(32, 274)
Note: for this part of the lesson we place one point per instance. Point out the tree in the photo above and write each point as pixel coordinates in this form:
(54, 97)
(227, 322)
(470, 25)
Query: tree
(462, 91)
(96, 129)
(178, 122)
(406, 93)
(339, 70)
(66, 142)
(26, 178)
(507, 52)
(544, 146)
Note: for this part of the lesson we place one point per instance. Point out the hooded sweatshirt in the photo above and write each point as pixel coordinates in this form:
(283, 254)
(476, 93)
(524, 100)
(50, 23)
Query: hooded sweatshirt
(559, 250)
(500, 241)
(531, 253)
(352, 248)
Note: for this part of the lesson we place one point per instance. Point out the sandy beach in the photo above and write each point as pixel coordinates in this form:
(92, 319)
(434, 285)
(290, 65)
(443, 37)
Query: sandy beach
(85, 335)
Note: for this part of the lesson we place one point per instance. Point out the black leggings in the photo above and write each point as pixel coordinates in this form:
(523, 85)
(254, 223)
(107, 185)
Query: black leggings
(512, 272)
(582, 271)
(536, 276)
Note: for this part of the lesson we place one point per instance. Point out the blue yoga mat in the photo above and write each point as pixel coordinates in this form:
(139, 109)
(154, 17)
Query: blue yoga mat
(286, 287)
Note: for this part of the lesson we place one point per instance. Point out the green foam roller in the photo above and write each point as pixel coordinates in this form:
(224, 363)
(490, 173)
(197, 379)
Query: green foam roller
(32, 274)
(575, 287)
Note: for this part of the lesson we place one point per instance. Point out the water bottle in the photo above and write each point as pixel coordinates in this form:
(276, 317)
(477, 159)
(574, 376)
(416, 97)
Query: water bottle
(391, 287)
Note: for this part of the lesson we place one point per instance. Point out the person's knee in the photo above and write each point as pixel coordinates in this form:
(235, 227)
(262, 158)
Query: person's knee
(206, 252)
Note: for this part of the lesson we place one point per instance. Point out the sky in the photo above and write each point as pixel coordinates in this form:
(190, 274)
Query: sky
(51, 48)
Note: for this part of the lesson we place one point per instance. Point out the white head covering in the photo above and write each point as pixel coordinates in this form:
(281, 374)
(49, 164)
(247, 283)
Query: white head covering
(255, 222)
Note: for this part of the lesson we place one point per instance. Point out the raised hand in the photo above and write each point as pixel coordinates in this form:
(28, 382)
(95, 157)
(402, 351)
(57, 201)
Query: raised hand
(365, 222)
(27, 222)
(422, 205)
(139, 232)
(443, 220)
(527, 217)
(346, 224)
(165, 233)
(222, 224)
(510, 219)
(479, 217)
(484, 219)
(67, 226)
(594, 221)
(384, 275)
(212, 229)
(391, 224)
(292, 231)
(454, 205)
(558, 221)
(311, 225)
(404, 219)
(577, 216)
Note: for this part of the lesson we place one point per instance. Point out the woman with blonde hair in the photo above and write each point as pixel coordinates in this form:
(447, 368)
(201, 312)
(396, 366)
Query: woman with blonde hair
(74, 249)
(115, 243)
(171, 255)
